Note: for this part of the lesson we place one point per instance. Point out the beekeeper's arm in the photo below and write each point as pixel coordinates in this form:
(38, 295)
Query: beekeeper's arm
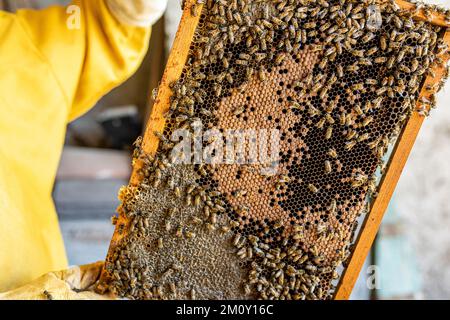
(91, 46)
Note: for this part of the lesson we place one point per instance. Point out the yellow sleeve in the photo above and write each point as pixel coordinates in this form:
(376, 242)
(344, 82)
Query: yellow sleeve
(89, 51)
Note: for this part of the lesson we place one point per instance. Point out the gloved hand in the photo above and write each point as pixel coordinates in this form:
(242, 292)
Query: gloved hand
(142, 13)
(73, 284)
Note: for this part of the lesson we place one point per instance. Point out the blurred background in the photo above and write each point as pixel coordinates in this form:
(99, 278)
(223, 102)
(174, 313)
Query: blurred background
(412, 250)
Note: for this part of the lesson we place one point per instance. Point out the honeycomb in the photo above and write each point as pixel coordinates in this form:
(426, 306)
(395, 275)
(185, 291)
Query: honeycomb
(336, 81)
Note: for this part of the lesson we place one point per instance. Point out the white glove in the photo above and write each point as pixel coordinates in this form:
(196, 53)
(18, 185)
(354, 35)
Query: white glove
(140, 13)
(75, 283)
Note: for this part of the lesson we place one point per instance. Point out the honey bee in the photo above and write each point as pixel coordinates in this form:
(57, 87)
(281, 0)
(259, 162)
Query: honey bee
(170, 212)
(404, 68)
(372, 82)
(332, 206)
(380, 60)
(146, 223)
(241, 62)
(188, 200)
(160, 243)
(120, 228)
(368, 37)
(210, 227)
(213, 218)
(313, 188)
(374, 144)
(428, 14)
(249, 73)
(310, 25)
(288, 46)
(114, 220)
(330, 51)
(236, 239)
(332, 153)
(225, 229)
(433, 87)
(358, 53)
(190, 234)
(168, 225)
(349, 145)
(218, 90)
(280, 58)
(340, 71)
(238, 111)
(313, 111)
(328, 168)
(420, 51)
(323, 93)
(358, 86)
(363, 137)
(225, 63)
(365, 62)
(234, 224)
(423, 111)
(47, 295)
(155, 93)
(377, 102)
(367, 121)
(173, 287)
(352, 68)
(229, 78)
(359, 180)
(263, 44)
(381, 91)
(253, 49)
(179, 232)
(390, 62)
(329, 133)
(242, 253)
(442, 50)
(197, 200)
(220, 77)
(350, 135)
(342, 118)
(321, 123)
(262, 74)
(323, 63)
(260, 56)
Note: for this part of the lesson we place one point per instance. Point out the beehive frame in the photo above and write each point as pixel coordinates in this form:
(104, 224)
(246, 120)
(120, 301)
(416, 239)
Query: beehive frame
(362, 245)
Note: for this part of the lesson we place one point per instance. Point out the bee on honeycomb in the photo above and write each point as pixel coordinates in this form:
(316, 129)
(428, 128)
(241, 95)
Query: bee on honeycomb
(336, 80)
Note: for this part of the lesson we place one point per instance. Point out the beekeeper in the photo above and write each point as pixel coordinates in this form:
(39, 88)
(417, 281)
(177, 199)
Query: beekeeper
(54, 65)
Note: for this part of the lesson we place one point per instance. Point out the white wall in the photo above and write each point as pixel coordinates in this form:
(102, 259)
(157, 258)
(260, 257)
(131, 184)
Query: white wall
(423, 199)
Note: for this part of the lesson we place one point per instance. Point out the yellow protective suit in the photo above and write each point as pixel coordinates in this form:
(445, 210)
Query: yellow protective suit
(49, 75)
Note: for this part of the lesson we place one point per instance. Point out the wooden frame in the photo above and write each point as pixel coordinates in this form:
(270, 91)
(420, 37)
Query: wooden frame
(363, 243)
